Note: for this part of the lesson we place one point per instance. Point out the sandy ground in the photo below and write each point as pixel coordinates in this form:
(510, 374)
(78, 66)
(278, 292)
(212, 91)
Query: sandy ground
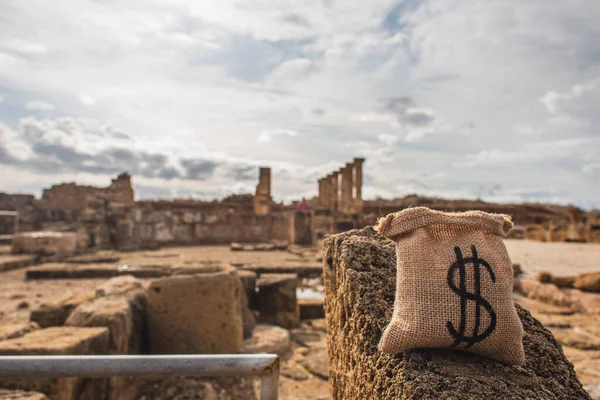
(557, 258)
(580, 335)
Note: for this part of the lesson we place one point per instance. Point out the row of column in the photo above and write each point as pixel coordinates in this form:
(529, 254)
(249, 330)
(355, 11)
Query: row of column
(342, 190)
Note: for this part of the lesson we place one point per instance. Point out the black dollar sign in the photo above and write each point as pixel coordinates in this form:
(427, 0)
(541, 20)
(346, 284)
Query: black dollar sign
(461, 291)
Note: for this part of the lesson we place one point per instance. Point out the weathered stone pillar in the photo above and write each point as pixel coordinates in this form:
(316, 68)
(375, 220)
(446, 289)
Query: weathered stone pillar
(262, 198)
(360, 280)
(326, 192)
(358, 177)
(334, 191)
(321, 196)
(347, 185)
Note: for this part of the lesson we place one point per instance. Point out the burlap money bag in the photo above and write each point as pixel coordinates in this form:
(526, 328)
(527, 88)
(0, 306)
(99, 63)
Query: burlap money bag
(454, 284)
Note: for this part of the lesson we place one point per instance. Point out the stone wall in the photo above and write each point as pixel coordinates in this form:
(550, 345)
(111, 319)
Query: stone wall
(183, 226)
(73, 196)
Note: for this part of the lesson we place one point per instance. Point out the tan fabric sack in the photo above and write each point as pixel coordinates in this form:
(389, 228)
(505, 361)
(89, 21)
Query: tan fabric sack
(454, 285)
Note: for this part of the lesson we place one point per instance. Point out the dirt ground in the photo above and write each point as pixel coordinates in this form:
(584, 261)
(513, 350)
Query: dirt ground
(304, 371)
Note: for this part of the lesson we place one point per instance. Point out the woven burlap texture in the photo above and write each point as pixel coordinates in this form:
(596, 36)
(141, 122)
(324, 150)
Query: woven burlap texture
(454, 284)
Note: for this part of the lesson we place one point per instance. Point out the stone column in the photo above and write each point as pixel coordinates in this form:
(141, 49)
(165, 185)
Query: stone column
(347, 184)
(355, 318)
(358, 176)
(262, 198)
(334, 192)
(321, 197)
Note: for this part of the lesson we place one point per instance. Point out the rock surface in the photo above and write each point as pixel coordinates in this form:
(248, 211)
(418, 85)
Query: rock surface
(56, 312)
(13, 331)
(360, 276)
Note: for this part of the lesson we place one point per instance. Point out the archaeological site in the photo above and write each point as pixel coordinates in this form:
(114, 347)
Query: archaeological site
(92, 271)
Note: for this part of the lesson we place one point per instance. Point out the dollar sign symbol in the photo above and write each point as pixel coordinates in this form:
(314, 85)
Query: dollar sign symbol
(465, 295)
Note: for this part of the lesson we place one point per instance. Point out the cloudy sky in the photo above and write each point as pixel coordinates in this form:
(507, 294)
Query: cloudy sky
(490, 99)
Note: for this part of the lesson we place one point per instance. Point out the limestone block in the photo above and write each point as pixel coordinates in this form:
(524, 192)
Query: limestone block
(277, 302)
(188, 218)
(119, 285)
(182, 233)
(45, 243)
(268, 339)
(195, 313)
(124, 314)
(249, 300)
(21, 395)
(59, 341)
(162, 233)
(589, 282)
(12, 331)
(211, 219)
(311, 309)
(360, 282)
(56, 312)
(248, 281)
(303, 270)
(563, 281)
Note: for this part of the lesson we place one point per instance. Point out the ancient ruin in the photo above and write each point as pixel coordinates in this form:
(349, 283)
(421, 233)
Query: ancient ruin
(88, 270)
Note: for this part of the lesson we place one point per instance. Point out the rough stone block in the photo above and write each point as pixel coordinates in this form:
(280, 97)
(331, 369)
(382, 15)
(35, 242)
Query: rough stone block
(311, 309)
(72, 271)
(196, 312)
(360, 281)
(303, 270)
(59, 341)
(119, 285)
(248, 281)
(21, 395)
(124, 314)
(268, 339)
(249, 300)
(277, 302)
(56, 312)
(563, 281)
(13, 331)
(45, 243)
(589, 282)
(9, 262)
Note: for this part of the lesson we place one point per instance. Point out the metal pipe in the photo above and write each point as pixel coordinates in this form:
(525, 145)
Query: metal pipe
(264, 365)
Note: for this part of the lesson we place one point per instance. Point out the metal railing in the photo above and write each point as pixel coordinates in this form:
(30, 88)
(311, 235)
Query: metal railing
(266, 366)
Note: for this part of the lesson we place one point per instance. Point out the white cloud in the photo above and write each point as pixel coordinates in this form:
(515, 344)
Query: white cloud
(388, 139)
(269, 134)
(1, 99)
(87, 100)
(39, 105)
(24, 47)
(419, 87)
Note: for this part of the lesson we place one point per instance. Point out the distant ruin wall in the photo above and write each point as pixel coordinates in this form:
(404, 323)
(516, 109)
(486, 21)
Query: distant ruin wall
(185, 226)
(71, 195)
